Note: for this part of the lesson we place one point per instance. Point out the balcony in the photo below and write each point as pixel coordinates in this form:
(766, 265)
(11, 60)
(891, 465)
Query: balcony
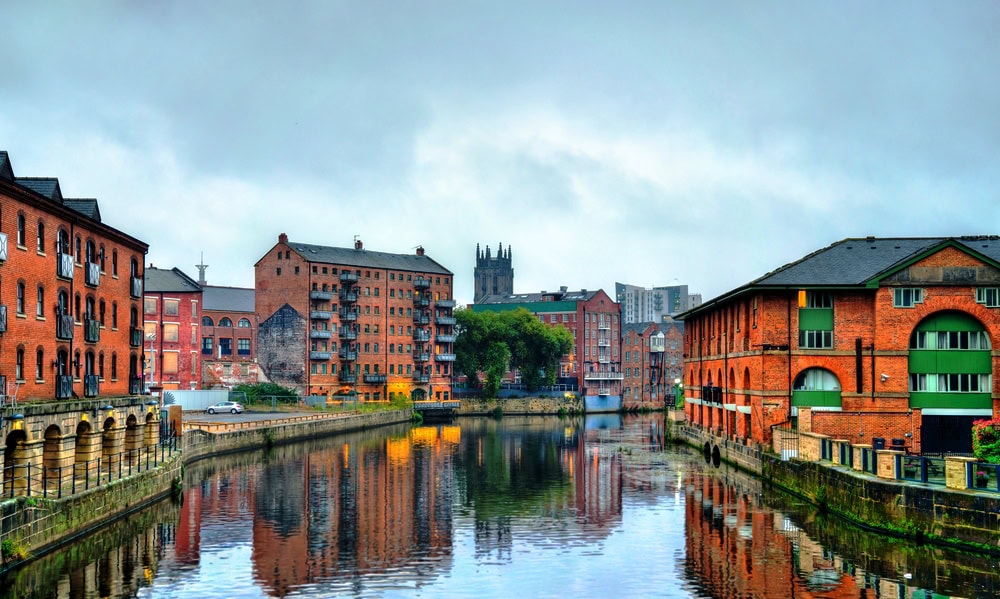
(134, 385)
(323, 296)
(603, 375)
(421, 300)
(91, 385)
(320, 315)
(64, 327)
(421, 379)
(135, 336)
(135, 287)
(421, 319)
(421, 283)
(421, 357)
(64, 386)
(445, 303)
(421, 335)
(320, 334)
(348, 297)
(444, 357)
(3, 325)
(64, 266)
(446, 338)
(3, 246)
(347, 315)
(322, 356)
(346, 377)
(603, 359)
(445, 320)
(91, 330)
(604, 342)
(376, 379)
(348, 333)
(92, 274)
(348, 277)
(348, 355)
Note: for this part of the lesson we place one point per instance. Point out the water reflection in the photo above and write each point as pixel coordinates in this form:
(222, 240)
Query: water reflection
(537, 506)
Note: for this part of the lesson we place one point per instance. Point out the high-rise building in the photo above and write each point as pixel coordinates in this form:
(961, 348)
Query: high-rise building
(348, 321)
(494, 275)
(656, 304)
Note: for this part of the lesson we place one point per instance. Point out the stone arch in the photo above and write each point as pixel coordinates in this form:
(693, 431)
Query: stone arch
(53, 455)
(133, 438)
(151, 433)
(15, 461)
(110, 444)
(85, 452)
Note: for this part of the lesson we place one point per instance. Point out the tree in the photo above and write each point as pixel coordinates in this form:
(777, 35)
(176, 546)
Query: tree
(493, 343)
(986, 440)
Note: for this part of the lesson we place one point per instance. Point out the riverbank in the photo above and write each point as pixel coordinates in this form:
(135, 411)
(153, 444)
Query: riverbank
(34, 526)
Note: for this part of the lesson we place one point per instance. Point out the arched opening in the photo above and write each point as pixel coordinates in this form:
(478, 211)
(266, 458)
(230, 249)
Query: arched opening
(84, 449)
(206, 321)
(133, 439)
(152, 431)
(52, 458)
(15, 461)
(418, 395)
(817, 389)
(110, 446)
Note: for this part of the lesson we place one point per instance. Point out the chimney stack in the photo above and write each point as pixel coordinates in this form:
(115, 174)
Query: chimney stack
(282, 238)
(358, 245)
(420, 250)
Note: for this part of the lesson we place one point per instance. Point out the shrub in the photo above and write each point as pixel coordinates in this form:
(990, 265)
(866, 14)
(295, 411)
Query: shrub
(986, 440)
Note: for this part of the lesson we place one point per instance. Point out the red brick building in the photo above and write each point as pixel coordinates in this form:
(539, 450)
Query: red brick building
(70, 288)
(172, 306)
(594, 363)
(338, 321)
(228, 337)
(651, 361)
(868, 340)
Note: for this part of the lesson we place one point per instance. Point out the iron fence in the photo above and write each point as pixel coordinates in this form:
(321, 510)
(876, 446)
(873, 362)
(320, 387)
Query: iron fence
(62, 481)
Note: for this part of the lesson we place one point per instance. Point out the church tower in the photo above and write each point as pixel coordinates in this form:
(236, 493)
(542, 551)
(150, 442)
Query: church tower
(494, 274)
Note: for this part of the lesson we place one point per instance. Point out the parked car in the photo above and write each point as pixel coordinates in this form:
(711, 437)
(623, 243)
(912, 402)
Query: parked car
(226, 406)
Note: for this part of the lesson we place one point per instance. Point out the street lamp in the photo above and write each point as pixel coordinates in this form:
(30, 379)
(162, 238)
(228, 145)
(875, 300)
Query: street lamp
(678, 394)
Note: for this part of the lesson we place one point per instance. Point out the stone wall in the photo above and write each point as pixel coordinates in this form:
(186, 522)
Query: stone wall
(520, 406)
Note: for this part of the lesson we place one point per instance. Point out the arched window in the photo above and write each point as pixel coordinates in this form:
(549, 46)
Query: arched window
(114, 263)
(39, 363)
(19, 364)
(244, 323)
(816, 388)
(134, 267)
(40, 303)
(62, 242)
(20, 297)
(21, 237)
(63, 302)
(225, 322)
(950, 364)
(100, 256)
(91, 312)
(88, 366)
(114, 366)
(100, 311)
(206, 321)
(91, 251)
(41, 237)
(114, 315)
(133, 317)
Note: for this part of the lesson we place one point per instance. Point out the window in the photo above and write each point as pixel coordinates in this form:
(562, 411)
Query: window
(170, 362)
(206, 346)
(907, 297)
(39, 361)
(41, 237)
(114, 315)
(194, 334)
(20, 230)
(114, 367)
(40, 303)
(243, 347)
(170, 332)
(990, 296)
(244, 323)
(20, 297)
(816, 339)
(225, 346)
(149, 305)
(114, 269)
(19, 365)
(977, 340)
(225, 322)
(206, 321)
(149, 330)
(171, 307)
(951, 383)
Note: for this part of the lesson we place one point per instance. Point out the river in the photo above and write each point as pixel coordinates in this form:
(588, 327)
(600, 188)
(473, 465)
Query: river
(515, 507)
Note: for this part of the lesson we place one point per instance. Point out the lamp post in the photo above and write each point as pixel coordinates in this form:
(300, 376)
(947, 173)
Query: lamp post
(678, 394)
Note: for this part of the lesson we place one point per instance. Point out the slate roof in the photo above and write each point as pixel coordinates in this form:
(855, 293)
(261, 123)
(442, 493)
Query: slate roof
(640, 327)
(46, 186)
(367, 258)
(85, 206)
(158, 280)
(227, 299)
(526, 298)
(856, 261)
(6, 170)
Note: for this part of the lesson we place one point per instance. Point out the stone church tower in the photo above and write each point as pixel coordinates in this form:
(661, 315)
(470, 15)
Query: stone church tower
(494, 274)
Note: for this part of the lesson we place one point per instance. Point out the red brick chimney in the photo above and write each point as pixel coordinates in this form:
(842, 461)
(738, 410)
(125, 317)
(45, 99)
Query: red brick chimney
(420, 250)
(358, 245)
(282, 238)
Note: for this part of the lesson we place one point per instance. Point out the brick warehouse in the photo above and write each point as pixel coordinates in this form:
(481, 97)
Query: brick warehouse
(228, 336)
(70, 293)
(594, 363)
(342, 321)
(869, 340)
(172, 304)
(652, 360)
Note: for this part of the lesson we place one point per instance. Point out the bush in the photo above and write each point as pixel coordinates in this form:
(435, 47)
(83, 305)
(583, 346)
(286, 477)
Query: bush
(986, 440)
(262, 392)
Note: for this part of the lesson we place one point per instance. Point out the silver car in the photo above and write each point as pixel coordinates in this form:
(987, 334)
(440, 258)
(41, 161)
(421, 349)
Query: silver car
(226, 406)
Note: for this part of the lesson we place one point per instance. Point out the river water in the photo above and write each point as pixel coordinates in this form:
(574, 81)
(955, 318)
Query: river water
(516, 507)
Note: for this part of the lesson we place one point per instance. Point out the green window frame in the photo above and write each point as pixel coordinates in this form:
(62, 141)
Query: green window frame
(907, 297)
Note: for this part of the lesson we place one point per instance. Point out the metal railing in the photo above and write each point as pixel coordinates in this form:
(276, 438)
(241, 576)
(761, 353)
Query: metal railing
(61, 481)
(921, 469)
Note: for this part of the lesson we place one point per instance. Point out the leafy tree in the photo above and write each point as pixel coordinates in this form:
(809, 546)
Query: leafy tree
(492, 343)
(261, 392)
(986, 440)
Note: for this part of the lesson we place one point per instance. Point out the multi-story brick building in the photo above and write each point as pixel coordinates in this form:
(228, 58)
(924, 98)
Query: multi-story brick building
(228, 336)
(885, 340)
(338, 321)
(594, 364)
(172, 306)
(70, 288)
(652, 362)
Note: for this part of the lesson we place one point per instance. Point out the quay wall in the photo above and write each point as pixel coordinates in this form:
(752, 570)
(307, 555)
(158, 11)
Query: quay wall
(944, 515)
(38, 525)
(520, 406)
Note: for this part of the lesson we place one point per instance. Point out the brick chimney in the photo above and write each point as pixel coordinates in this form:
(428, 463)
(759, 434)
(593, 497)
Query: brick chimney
(282, 238)
(420, 250)
(358, 245)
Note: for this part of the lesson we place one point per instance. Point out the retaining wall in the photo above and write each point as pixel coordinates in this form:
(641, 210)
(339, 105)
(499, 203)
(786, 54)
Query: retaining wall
(520, 405)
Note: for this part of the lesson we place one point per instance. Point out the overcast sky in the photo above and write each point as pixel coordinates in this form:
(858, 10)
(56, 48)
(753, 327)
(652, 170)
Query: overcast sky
(651, 143)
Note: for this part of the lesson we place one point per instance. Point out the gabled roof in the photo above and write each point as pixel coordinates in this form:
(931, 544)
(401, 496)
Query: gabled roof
(46, 186)
(6, 170)
(861, 262)
(85, 206)
(227, 299)
(158, 280)
(641, 327)
(367, 258)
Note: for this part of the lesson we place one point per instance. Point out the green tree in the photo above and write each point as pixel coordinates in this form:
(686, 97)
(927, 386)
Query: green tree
(986, 440)
(492, 343)
(262, 392)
